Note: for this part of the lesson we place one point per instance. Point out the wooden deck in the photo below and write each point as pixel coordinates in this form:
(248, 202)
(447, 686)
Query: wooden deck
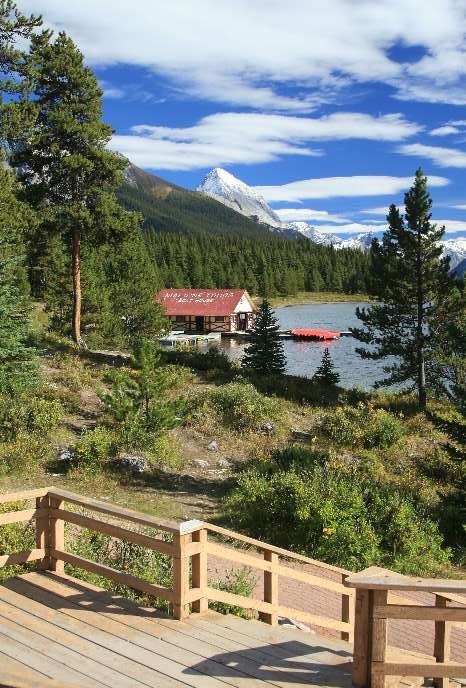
(58, 631)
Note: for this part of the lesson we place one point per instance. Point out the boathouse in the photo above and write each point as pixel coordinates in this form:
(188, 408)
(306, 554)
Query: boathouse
(208, 310)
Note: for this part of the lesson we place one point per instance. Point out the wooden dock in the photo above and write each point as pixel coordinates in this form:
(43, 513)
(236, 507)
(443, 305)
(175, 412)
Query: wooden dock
(56, 630)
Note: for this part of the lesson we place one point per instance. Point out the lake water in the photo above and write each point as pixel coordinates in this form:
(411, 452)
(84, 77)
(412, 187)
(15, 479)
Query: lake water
(304, 357)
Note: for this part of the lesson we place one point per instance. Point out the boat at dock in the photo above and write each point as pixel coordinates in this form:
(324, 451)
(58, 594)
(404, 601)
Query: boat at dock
(319, 335)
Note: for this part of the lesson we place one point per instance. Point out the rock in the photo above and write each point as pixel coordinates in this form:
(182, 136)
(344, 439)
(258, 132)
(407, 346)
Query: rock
(300, 435)
(133, 463)
(201, 463)
(267, 428)
(292, 623)
(223, 463)
(349, 458)
(212, 446)
(64, 454)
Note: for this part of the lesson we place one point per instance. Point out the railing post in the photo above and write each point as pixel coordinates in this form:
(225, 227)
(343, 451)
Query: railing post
(57, 535)
(270, 588)
(345, 609)
(362, 638)
(180, 575)
(42, 531)
(379, 640)
(441, 641)
(199, 571)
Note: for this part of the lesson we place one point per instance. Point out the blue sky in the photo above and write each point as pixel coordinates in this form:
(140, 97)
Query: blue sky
(328, 107)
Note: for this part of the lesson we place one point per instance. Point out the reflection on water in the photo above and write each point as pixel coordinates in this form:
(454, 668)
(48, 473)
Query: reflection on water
(304, 357)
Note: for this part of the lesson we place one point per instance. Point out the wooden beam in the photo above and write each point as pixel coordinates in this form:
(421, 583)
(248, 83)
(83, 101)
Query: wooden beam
(21, 557)
(362, 639)
(446, 669)
(180, 576)
(379, 640)
(22, 516)
(117, 576)
(278, 550)
(442, 640)
(200, 604)
(441, 614)
(288, 612)
(236, 555)
(271, 588)
(42, 529)
(116, 511)
(24, 495)
(114, 531)
(56, 533)
(405, 583)
(346, 608)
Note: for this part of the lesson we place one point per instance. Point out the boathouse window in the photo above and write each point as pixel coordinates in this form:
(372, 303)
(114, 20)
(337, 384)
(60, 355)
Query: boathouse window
(219, 318)
(180, 318)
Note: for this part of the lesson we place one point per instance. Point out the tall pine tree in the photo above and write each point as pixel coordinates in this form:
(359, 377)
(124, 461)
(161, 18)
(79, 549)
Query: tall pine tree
(411, 283)
(264, 353)
(63, 159)
(326, 374)
(17, 357)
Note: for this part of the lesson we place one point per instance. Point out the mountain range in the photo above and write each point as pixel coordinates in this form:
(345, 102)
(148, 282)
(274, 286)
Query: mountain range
(234, 193)
(223, 204)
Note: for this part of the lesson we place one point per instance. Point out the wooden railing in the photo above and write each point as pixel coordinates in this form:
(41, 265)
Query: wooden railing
(191, 545)
(377, 602)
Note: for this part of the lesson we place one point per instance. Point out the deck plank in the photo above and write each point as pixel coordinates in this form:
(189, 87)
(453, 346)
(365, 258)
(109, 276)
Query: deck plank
(103, 642)
(103, 661)
(43, 665)
(146, 634)
(62, 624)
(133, 644)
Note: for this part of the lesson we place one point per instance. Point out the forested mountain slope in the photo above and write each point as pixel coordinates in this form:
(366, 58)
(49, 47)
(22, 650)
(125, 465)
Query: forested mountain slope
(170, 208)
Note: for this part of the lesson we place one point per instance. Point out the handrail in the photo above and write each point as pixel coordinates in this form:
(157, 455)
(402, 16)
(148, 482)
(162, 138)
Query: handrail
(189, 545)
(373, 610)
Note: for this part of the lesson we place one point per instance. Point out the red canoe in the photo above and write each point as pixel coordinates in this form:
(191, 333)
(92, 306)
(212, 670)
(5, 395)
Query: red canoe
(315, 334)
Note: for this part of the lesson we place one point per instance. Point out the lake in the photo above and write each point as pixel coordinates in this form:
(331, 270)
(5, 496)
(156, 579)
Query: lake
(304, 357)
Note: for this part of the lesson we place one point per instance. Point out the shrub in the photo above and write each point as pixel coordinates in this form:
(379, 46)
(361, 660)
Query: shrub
(362, 426)
(28, 414)
(242, 407)
(72, 372)
(165, 452)
(24, 454)
(343, 519)
(94, 448)
(239, 582)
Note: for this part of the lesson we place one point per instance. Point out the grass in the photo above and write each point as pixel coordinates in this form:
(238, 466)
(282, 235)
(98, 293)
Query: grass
(309, 297)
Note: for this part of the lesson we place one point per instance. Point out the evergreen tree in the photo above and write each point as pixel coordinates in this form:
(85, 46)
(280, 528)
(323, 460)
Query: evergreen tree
(326, 374)
(411, 283)
(17, 358)
(63, 159)
(264, 352)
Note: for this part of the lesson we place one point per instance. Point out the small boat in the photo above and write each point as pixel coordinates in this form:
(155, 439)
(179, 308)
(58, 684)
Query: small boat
(316, 335)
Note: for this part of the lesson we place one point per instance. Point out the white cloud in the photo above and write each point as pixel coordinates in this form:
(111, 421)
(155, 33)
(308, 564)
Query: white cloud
(235, 137)
(305, 214)
(245, 52)
(452, 226)
(446, 130)
(460, 206)
(444, 157)
(382, 210)
(333, 187)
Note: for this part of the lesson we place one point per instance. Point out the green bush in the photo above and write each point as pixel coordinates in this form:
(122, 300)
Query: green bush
(24, 454)
(241, 407)
(362, 426)
(164, 452)
(339, 517)
(28, 414)
(94, 448)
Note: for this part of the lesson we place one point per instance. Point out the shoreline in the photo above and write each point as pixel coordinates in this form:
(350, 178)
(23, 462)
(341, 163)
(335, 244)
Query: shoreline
(314, 297)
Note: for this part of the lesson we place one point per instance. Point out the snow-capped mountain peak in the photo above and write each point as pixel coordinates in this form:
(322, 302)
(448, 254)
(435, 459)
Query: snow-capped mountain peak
(231, 191)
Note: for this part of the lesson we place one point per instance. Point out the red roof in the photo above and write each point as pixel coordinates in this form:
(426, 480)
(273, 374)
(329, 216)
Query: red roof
(199, 301)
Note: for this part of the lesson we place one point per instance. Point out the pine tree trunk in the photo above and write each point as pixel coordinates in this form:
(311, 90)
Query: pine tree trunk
(421, 369)
(76, 271)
